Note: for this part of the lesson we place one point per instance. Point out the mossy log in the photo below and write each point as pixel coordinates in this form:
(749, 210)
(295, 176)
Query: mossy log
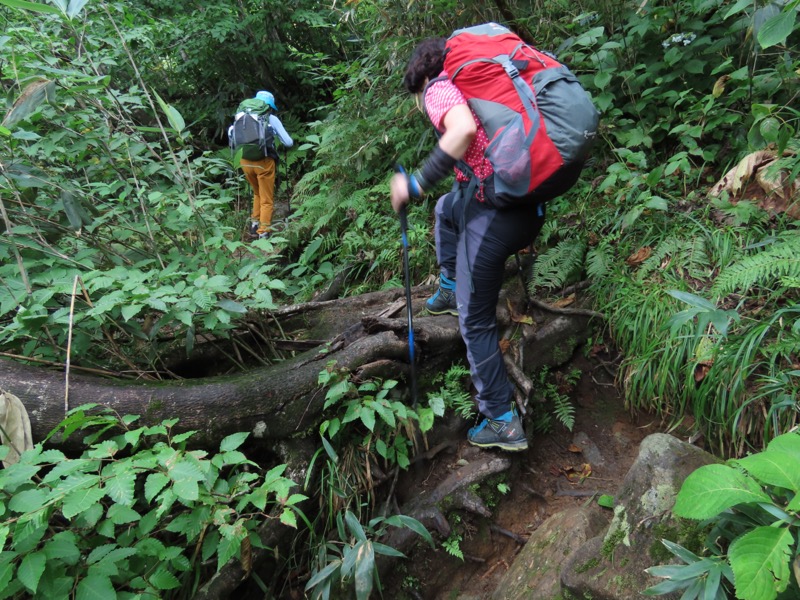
(365, 335)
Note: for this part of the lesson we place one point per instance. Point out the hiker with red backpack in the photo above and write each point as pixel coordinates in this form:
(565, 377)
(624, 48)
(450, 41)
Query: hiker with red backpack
(254, 129)
(516, 127)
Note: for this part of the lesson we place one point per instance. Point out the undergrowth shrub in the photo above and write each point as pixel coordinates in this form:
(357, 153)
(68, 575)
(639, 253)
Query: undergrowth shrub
(748, 507)
(137, 513)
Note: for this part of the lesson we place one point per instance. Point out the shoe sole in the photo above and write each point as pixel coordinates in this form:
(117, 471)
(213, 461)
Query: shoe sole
(446, 311)
(509, 447)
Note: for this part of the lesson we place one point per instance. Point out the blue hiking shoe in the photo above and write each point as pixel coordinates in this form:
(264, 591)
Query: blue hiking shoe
(505, 433)
(443, 302)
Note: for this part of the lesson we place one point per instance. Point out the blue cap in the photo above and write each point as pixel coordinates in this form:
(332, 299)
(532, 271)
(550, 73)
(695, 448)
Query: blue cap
(268, 98)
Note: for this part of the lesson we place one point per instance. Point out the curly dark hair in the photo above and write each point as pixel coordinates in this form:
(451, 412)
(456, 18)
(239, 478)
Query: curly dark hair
(426, 62)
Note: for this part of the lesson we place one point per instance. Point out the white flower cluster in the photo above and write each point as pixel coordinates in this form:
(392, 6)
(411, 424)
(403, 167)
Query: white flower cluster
(679, 38)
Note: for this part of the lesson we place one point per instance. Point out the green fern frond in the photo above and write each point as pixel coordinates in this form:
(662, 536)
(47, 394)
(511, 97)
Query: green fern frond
(767, 269)
(558, 265)
(599, 261)
(553, 229)
(681, 253)
(564, 411)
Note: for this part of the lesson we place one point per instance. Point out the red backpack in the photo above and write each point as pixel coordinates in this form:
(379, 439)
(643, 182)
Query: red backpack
(536, 114)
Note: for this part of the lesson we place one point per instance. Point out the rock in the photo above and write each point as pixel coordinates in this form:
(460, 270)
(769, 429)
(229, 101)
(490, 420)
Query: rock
(612, 566)
(589, 450)
(535, 573)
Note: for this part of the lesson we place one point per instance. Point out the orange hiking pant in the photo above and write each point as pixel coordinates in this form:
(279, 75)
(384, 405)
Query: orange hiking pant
(260, 175)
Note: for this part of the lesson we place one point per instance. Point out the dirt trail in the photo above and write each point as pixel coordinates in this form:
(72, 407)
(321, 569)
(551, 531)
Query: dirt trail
(561, 469)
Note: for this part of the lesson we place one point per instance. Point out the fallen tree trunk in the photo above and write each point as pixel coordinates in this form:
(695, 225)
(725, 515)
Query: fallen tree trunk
(359, 335)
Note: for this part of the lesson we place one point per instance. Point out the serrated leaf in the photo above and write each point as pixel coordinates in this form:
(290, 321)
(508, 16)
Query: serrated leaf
(227, 549)
(711, 489)
(30, 570)
(95, 587)
(774, 467)
(185, 475)
(232, 442)
(120, 514)
(154, 484)
(81, 500)
(760, 562)
(28, 500)
(289, 518)
(63, 546)
(120, 487)
(164, 580)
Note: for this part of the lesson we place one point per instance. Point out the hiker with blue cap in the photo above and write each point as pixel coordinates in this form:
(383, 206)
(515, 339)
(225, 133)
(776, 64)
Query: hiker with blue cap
(254, 130)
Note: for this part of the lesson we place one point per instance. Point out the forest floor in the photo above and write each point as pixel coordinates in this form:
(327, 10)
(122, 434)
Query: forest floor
(560, 469)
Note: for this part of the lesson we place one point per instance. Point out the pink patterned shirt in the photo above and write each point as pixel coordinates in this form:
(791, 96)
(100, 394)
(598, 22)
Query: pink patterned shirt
(439, 99)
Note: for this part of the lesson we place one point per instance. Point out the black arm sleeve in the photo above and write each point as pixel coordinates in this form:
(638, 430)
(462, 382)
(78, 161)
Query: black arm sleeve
(438, 165)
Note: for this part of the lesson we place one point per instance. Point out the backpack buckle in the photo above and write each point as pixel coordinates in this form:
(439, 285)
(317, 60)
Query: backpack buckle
(511, 69)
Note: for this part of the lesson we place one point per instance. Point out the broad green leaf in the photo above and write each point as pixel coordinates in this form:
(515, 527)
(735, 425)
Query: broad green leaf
(738, 7)
(32, 96)
(6, 573)
(788, 442)
(32, 6)
(129, 311)
(368, 418)
(354, 526)
(365, 566)
(777, 29)
(774, 467)
(96, 587)
(289, 518)
(606, 501)
(693, 300)
(154, 484)
(120, 514)
(437, 405)
(120, 487)
(28, 500)
(233, 441)
(760, 561)
(412, 524)
(387, 550)
(173, 116)
(30, 570)
(164, 580)
(75, 6)
(80, 500)
(227, 549)
(232, 306)
(63, 546)
(712, 489)
(426, 419)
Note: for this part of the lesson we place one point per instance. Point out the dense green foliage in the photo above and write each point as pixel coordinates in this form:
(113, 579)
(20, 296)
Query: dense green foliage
(136, 515)
(121, 209)
(750, 508)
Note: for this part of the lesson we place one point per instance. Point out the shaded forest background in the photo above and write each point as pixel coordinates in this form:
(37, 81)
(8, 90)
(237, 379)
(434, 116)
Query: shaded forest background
(122, 254)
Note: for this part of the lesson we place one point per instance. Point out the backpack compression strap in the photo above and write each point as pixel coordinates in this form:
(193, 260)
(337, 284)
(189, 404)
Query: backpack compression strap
(512, 67)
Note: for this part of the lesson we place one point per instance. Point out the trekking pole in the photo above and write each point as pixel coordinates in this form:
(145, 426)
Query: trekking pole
(286, 174)
(409, 311)
(404, 231)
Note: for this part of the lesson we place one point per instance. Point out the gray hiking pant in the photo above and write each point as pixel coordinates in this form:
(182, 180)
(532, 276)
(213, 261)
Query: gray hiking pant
(473, 242)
